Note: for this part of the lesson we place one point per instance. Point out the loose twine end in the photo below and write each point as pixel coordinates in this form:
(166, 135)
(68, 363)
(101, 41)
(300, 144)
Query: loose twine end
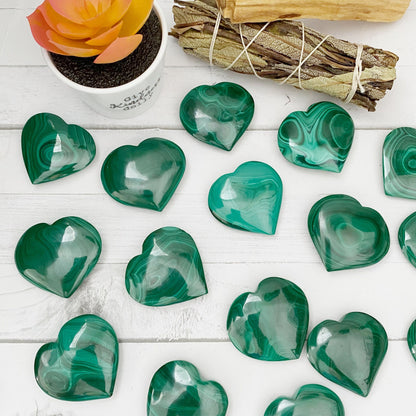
(356, 77)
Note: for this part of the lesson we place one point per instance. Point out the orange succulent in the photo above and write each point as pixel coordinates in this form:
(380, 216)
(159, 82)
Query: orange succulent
(85, 28)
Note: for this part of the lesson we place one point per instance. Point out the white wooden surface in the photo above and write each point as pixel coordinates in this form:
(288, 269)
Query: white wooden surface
(234, 261)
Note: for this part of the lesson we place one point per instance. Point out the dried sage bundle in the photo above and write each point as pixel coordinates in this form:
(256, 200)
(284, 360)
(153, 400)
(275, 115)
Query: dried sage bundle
(276, 51)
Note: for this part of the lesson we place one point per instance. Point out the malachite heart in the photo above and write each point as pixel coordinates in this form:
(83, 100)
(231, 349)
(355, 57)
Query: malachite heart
(310, 400)
(146, 175)
(411, 339)
(217, 114)
(399, 163)
(82, 363)
(248, 199)
(346, 234)
(53, 149)
(270, 324)
(60, 256)
(349, 352)
(177, 389)
(319, 138)
(168, 271)
(407, 238)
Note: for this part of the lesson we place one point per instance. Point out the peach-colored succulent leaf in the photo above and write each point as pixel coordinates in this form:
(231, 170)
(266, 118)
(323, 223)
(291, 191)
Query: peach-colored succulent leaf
(119, 49)
(64, 26)
(72, 47)
(73, 10)
(39, 27)
(105, 38)
(136, 16)
(111, 16)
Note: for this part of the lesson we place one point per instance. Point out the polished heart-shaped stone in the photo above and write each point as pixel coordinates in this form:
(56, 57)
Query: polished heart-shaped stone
(319, 138)
(399, 163)
(177, 389)
(407, 238)
(271, 323)
(217, 114)
(248, 199)
(349, 352)
(53, 149)
(346, 234)
(146, 175)
(82, 363)
(60, 256)
(310, 400)
(411, 339)
(168, 271)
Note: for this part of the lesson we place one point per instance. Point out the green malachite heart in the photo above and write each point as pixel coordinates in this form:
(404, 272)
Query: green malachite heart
(217, 114)
(177, 390)
(349, 352)
(146, 175)
(407, 238)
(411, 339)
(168, 271)
(310, 400)
(399, 163)
(53, 149)
(58, 257)
(271, 323)
(319, 138)
(346, 234)
(248, 199)
(82, 363)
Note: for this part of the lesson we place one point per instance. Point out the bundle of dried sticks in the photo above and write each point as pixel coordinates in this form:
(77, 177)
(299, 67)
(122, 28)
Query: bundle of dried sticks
(330, 65)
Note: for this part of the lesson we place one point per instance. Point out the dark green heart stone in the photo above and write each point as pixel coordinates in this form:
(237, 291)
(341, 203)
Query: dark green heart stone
(310, 400)
(168, 271)
(58, 257)
(346, 234)
(399, 163)
(411, 339)
(144, 176)
(349, 352)
(217, 114)
(319, 138)
(82, 363)
(271, 323)
(407, 238)
(248, 199)
(53, 149)
(177, 390)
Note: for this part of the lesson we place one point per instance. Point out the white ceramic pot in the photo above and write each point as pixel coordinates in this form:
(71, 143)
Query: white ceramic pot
(128, 100)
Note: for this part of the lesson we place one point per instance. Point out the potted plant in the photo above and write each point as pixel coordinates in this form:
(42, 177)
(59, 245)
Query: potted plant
(110, 51)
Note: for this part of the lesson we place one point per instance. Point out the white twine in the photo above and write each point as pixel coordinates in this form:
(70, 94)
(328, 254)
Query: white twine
(356, 77)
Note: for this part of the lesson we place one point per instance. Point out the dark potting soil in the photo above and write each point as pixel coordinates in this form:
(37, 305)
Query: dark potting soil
(83, 70)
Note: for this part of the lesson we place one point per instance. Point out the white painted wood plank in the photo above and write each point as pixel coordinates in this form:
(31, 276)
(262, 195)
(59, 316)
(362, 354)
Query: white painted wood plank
(28, 313)
(26, 91)
(250, 384)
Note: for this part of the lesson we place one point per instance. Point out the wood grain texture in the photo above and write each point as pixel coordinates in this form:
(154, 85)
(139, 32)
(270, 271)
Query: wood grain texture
(250, 384)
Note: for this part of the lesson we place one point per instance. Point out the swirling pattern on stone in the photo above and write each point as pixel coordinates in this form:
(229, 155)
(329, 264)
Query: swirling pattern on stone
(411, 339)
(407, 238)
(348, 352)
(82, 363)
(53, 149)
(177, 389)
(60, 256)
(270, 324)
(399, 163)
(144, 176)
(217, 114)
(248, 199)
(310, 400)
(168, 271)
(346, 234)
(319, 138)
